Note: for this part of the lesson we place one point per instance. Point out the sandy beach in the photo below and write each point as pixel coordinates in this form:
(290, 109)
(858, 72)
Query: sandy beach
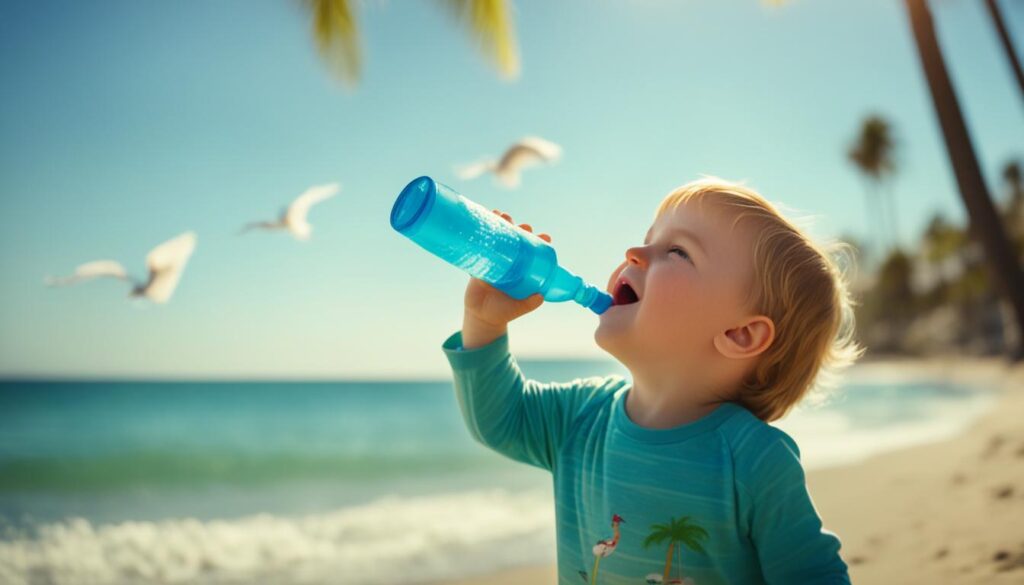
(945, 512)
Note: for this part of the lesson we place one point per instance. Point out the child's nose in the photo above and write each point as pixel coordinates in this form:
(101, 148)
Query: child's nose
(637, 255)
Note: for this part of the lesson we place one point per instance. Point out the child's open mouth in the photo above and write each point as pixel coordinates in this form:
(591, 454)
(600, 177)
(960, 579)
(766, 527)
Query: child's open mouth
(624, 293)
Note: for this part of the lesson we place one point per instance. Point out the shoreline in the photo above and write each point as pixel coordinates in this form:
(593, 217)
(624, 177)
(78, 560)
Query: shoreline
(949, 510)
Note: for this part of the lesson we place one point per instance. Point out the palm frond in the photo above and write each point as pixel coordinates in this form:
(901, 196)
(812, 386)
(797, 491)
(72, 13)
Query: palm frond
(873, 148)
(490, 23)
(688, 533)
(656, 538)
(693, 544)
(337, 37)
(659, 534)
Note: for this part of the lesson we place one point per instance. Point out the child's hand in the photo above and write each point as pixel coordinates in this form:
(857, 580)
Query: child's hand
(489, 310)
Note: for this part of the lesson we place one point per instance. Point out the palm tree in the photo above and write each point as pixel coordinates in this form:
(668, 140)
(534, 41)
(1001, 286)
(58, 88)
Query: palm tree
(872, 153)
(942, 240)
(985, 224)
(1014, 210)
(676, 531)
(1004, 38)
(1013, 178)
(488, 21)
(944, 250)
(896, 292)
(1015, 203)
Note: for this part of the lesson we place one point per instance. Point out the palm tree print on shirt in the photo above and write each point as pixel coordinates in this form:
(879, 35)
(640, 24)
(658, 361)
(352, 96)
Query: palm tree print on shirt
(680, 531)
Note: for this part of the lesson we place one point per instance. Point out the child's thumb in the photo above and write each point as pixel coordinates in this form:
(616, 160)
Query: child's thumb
(534, 301)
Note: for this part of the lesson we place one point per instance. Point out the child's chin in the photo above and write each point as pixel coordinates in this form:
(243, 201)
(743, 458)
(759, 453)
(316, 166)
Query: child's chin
(609, 336)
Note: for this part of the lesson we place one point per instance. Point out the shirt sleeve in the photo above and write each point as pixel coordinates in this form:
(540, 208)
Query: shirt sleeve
(522, 419)
(787, 532)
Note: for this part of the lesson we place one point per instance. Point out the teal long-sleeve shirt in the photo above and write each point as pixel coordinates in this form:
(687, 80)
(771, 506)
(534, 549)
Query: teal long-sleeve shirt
(721, 500)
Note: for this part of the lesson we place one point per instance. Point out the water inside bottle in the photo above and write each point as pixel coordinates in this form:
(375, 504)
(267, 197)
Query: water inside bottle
(501, 244)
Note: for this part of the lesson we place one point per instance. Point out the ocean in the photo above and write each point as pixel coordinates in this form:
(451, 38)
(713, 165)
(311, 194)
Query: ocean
(347, 482)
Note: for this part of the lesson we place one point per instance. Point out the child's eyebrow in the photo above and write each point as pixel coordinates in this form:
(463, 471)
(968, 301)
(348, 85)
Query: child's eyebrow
(686, 234)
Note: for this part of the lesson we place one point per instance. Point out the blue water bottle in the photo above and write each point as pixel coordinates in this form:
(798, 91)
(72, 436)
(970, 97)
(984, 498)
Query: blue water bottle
(469, 236)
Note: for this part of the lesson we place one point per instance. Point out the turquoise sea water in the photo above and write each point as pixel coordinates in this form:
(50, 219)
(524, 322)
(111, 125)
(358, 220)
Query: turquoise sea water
(307, 482)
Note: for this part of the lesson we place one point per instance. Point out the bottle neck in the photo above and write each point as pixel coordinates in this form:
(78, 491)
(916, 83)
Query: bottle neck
(592, 298)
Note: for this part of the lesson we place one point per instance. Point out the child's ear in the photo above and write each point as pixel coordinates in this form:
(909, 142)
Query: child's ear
(748, 339)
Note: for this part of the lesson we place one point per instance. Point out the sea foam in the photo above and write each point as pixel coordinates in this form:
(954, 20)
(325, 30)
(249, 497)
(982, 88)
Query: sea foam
(389, 540)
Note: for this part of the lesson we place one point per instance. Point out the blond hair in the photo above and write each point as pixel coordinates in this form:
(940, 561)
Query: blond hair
(800, 286)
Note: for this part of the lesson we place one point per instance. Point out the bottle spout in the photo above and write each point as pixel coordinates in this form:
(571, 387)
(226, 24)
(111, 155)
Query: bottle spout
(563, 285)
(593, 299)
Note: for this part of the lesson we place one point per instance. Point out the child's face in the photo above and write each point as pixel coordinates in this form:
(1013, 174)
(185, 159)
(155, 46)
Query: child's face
(691, 287)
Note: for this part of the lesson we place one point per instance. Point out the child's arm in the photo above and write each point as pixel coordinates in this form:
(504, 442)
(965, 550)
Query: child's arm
(522, 419)
(784, 526)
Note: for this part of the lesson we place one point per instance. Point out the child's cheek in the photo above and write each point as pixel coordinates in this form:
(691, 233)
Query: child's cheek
(670, 307)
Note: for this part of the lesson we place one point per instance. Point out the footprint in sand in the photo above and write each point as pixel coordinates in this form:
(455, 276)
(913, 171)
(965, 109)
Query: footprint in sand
(994, 444)
(1003, 492)
(1007, 561)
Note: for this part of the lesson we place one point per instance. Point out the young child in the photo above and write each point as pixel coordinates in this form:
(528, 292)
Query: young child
(725, 317)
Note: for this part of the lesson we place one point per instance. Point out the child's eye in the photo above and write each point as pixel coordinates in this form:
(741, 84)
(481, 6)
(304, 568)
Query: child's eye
(681, 251)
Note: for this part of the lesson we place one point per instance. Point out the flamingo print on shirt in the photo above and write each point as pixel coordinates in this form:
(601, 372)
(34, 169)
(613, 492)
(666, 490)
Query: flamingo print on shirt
(604, 548)
(675, 532)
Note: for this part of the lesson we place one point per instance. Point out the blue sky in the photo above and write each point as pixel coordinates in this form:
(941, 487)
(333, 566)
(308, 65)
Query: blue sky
(124, 123)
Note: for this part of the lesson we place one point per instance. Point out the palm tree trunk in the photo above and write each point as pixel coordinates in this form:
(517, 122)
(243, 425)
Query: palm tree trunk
(894, 216)
(1004, 37)
(985, 224)
(881, 220)
(668, 562)
(873, 248)
(884, 221)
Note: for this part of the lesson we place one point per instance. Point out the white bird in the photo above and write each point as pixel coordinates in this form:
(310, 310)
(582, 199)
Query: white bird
(526, 153)
(165, 262)
(293, 217)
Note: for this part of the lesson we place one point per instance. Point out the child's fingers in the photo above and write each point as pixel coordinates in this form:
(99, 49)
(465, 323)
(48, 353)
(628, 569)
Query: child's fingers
(525, 226)
(502, 214)
(529, 228)
(535, 301)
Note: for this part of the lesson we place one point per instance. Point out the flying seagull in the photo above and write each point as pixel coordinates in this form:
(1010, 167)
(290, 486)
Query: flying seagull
(293, 217)
(165, 262)
(528, 152)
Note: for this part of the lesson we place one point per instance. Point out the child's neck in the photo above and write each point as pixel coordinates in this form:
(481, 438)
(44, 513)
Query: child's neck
(663, 407)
